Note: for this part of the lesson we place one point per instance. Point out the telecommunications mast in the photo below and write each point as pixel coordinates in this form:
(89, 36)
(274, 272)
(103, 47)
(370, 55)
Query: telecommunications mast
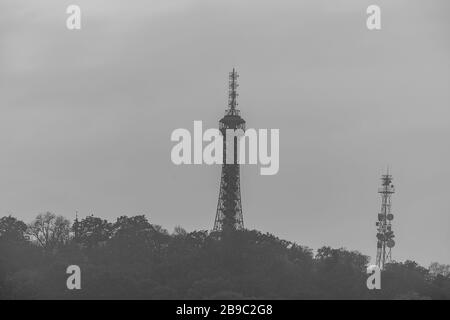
(385, 235)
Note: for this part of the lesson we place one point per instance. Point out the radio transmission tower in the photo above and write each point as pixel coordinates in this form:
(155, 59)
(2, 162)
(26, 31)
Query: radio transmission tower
(229, 207)
(385, 235)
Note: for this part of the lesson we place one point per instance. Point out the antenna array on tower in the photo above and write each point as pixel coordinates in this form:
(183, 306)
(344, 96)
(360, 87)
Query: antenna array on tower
(385, 235)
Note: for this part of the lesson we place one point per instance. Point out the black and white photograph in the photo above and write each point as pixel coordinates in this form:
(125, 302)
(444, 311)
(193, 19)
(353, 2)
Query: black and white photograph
(224, 155)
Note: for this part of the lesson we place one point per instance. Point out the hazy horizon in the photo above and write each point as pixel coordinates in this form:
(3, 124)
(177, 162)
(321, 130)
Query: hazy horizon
(86, 116)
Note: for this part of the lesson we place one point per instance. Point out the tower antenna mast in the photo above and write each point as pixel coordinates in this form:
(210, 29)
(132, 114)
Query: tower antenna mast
(385, 235)
(229, 206)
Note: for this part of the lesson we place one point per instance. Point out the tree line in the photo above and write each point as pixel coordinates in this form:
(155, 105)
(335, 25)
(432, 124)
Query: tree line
(134, 259)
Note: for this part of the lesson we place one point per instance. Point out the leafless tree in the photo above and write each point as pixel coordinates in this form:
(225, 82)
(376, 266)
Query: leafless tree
(49, 230)
(442, 269)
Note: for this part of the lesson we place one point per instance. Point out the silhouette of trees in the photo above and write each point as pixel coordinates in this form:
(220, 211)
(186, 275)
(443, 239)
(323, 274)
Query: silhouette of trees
(439, 269)
(91, 231)
(134, 259)
(12, 229)
(342, 272)
(49, 230)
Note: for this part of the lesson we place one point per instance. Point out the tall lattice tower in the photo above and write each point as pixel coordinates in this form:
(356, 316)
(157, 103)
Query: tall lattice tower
(229, 207)
(385, 235)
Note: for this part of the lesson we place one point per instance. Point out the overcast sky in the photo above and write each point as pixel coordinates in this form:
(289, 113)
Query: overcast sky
(86, 116)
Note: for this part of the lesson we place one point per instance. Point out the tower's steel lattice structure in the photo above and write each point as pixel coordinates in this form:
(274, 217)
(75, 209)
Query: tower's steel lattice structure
(385, 235)
(229, 207)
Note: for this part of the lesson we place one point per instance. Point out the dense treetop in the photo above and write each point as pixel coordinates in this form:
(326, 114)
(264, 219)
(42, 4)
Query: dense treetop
(134, 259)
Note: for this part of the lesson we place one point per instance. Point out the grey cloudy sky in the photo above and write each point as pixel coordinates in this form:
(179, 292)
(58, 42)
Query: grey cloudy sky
(86, 116)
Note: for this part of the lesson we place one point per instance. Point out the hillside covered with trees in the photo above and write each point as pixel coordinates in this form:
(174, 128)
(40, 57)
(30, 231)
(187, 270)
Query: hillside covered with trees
(134, 259)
